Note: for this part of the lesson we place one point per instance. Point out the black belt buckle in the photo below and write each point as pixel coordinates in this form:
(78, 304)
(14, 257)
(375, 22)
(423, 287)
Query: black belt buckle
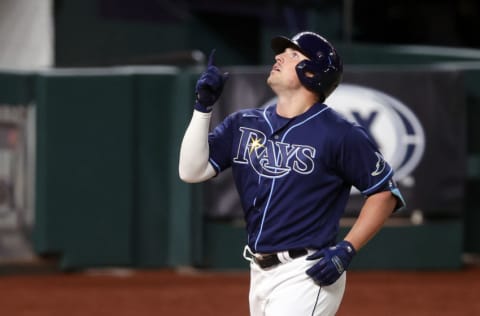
(268, 261)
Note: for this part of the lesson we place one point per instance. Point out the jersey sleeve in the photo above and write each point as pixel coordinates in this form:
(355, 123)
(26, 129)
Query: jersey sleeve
(220, 144)
(364, 167)
(361, 162)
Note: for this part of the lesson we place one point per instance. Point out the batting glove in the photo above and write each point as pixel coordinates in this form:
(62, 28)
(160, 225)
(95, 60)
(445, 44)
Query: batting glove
(209, 86)
(333, 262)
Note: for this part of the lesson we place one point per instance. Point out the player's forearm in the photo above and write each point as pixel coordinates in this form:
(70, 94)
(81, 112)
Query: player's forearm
(376, 210)
(193, 164)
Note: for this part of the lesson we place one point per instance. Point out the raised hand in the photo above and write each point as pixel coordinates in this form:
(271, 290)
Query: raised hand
(209, 86)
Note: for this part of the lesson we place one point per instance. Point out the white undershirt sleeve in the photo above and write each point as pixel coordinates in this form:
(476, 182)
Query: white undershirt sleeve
(193, 164)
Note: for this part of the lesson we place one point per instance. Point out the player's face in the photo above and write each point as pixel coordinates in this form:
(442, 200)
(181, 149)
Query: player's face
(283, 74)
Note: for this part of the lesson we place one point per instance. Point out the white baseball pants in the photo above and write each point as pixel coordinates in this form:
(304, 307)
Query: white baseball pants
(286, 290)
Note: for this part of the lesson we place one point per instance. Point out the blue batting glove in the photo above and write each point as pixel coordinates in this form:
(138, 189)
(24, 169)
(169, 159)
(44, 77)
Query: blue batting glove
(209, 86)
(333, 262)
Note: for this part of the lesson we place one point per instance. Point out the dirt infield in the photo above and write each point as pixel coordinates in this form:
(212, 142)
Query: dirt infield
(120, 292)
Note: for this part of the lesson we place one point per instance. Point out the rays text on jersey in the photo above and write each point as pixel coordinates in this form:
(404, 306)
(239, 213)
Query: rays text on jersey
(273, 159)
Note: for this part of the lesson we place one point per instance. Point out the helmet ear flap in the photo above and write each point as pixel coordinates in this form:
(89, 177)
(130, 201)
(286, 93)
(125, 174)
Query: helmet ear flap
(318, 78)
(310, 75)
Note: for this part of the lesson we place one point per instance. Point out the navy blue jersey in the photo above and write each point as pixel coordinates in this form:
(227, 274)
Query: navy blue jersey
(294, 176)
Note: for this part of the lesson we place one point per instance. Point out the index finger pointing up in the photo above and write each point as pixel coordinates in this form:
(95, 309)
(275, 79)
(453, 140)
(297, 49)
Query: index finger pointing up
(211, 58)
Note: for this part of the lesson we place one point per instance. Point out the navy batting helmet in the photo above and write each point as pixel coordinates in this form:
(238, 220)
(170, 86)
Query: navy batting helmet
(323, 72)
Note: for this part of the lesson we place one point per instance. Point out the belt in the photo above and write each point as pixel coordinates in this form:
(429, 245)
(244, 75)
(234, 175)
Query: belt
(271, 260)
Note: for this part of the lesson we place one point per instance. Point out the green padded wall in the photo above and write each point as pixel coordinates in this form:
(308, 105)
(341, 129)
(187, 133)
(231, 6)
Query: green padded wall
(85, 170)
(472, 203)
(108, 192)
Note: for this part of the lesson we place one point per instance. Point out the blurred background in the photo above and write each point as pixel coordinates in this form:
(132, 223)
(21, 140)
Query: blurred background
(95, 96)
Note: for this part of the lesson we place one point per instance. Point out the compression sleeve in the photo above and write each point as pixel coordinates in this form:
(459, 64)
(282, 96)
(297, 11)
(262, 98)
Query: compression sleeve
(193, 164)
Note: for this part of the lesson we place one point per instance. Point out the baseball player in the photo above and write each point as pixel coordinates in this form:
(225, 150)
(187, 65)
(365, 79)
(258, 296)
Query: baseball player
(294, 164)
